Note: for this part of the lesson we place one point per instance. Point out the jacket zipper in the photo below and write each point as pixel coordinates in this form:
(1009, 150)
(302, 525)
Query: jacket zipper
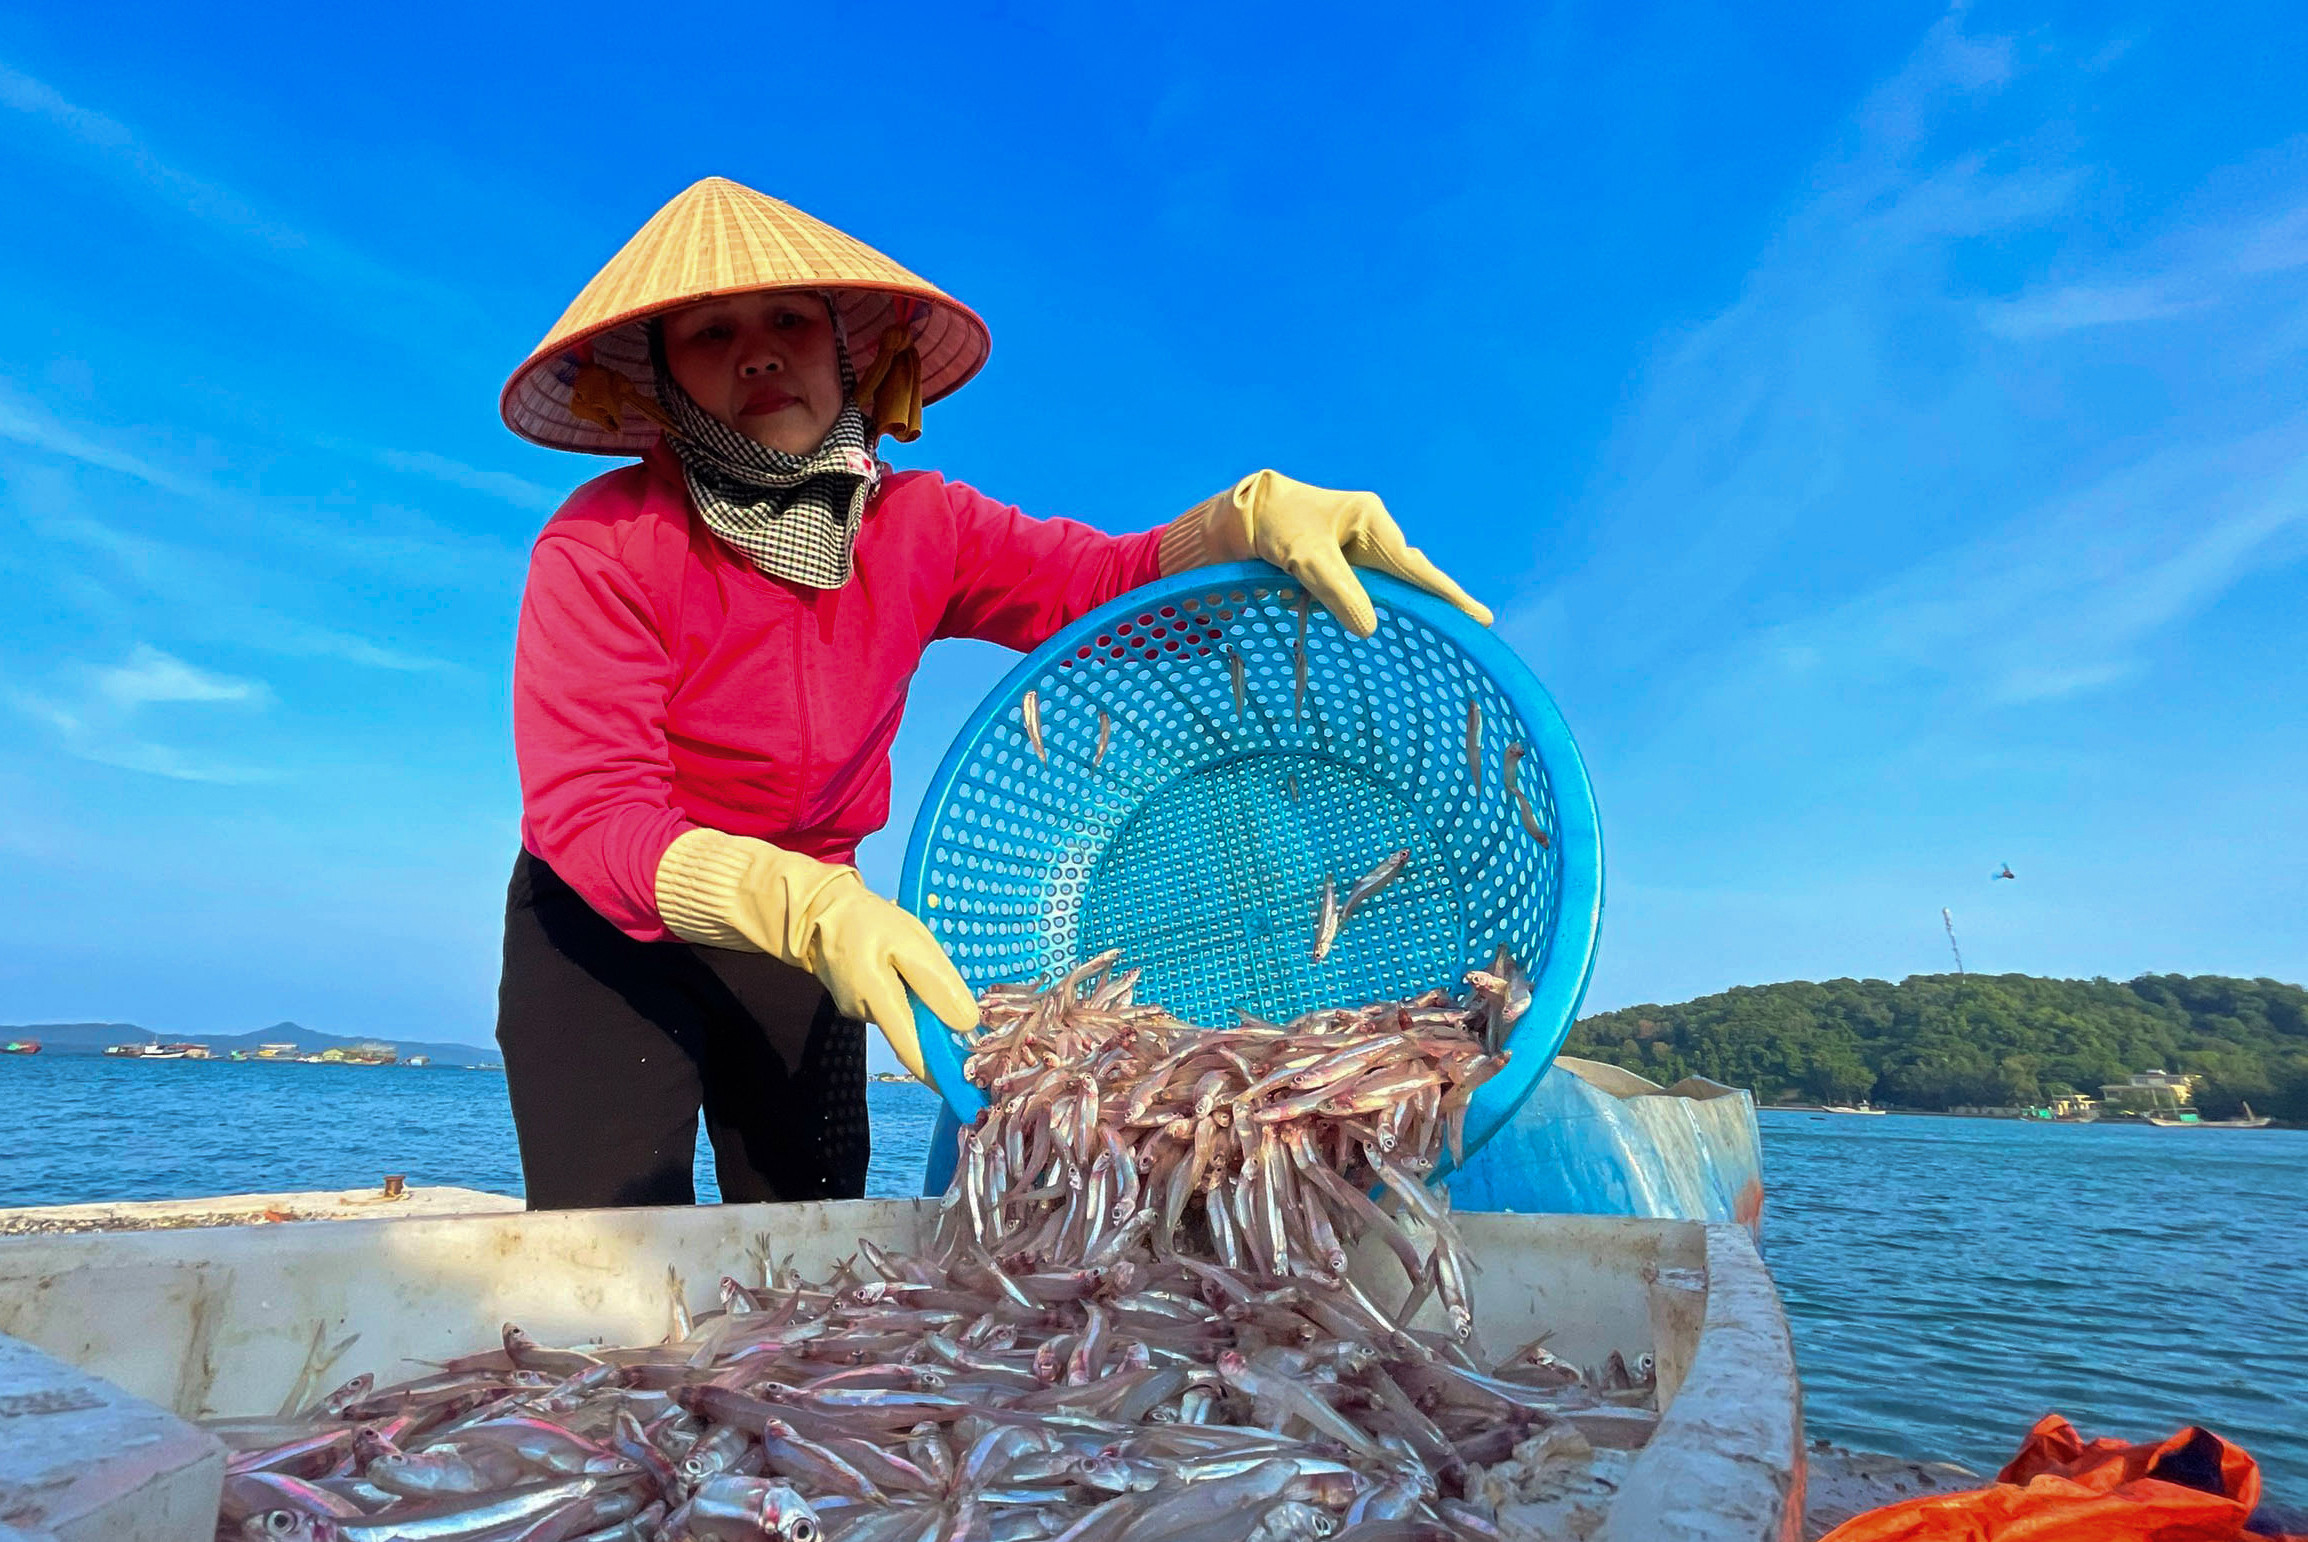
(801, 713)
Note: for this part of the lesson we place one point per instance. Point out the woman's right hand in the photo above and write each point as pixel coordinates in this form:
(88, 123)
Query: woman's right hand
(732, 891)
(869, 952)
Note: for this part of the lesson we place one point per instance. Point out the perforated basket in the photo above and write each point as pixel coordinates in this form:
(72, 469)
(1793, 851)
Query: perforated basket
(1199, 841)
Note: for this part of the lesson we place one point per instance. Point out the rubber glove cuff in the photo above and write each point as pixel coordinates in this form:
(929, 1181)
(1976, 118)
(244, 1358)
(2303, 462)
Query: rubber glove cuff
(1218, 529)
(732, 891)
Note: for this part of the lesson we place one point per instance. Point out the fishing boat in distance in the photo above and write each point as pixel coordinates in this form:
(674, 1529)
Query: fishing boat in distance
(2189, 1121)
(355, 1054)
(1860, 1107)
(20, 1047)
(155, 1050)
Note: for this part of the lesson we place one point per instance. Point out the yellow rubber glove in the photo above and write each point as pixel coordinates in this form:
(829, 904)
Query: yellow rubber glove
(732, 891)
(1315, 535)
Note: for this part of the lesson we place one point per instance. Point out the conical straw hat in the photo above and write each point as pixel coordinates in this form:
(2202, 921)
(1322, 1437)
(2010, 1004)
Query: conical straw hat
(721, 238)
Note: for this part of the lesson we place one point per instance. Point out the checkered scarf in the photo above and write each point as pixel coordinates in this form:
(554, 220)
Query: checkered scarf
(795, 517)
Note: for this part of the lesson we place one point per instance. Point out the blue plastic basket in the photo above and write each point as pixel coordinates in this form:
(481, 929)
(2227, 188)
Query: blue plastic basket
(1198, 845)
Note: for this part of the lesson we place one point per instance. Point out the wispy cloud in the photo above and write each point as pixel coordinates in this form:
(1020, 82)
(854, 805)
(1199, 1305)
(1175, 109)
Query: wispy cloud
(2278, 244)
(2083, 305)
(150, 675)
(2064, 599)
(1860, 415)
(119, 144)
(416, 542)
(119, 149)
(2204, 264)
(1805, 396)
(218, 594)
(100, 715)
(518, 491)
(27, 423)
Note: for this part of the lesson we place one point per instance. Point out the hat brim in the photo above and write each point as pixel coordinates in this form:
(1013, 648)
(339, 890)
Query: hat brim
(949, 338)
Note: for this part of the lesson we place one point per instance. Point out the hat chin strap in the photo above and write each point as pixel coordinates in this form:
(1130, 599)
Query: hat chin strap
(890, 393)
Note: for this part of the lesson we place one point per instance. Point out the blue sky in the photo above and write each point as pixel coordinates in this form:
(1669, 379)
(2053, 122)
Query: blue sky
(1884, 428)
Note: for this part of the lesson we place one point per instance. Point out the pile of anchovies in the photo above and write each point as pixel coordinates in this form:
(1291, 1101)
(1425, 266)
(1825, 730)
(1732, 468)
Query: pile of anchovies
(1132, 1321)
(1113, 1124)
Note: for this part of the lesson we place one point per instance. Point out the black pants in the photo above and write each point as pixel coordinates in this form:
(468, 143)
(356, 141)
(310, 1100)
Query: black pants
(612, 1046)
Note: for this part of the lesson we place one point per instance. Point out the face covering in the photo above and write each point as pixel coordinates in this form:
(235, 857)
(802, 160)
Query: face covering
(795, 517)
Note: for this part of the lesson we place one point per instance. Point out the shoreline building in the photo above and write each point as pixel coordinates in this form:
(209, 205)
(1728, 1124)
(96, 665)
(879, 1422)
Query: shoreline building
(2151, 1092)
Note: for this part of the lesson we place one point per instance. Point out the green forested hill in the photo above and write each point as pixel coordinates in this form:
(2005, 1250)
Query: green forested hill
(1939, 1041)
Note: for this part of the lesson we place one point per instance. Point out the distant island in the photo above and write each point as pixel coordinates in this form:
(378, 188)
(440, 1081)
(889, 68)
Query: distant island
(1934, 1041)
(96, 1038)
(1952, 1041)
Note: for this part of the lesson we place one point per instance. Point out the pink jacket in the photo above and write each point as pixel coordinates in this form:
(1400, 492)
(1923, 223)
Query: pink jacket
(661, 682)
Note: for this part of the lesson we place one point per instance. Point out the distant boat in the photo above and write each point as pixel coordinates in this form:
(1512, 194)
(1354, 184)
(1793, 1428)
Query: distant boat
(156, 1051)
(354, 1054)
(1852, 1108)
(20, 1047)
(2190, 1121)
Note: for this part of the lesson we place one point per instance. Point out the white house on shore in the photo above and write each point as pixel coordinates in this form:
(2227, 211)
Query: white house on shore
(2151, 1092)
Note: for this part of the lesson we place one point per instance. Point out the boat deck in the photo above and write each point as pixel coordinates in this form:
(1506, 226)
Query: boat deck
(246, 1320)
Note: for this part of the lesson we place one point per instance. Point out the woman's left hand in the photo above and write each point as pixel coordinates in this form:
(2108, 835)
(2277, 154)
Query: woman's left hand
(1314, 534)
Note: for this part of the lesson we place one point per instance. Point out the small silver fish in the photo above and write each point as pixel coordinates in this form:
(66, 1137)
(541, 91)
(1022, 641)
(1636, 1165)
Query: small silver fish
(1241, 676)
(1373, 881)
(439, 1474)
(1505, 992)
(731, 1505)
(1509, 761)
(1530, 819)
(350, 1393)
(1032, 706)
(1326, 920)
(1105, 737)
(1293, 1520)
(1290, 786)
(1298, 696)
(1518, 984)
(1475, 742)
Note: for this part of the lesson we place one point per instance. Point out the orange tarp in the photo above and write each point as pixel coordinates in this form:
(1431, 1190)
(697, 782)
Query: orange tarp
(2194, 1487)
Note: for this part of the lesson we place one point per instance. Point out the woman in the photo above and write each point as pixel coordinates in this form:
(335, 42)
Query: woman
(714, 650)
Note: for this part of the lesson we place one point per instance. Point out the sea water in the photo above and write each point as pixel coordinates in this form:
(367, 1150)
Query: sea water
(77, 1129)
(1949, 1281)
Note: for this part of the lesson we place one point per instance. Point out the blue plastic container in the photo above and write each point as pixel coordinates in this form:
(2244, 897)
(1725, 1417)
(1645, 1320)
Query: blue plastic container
(1197, 842)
